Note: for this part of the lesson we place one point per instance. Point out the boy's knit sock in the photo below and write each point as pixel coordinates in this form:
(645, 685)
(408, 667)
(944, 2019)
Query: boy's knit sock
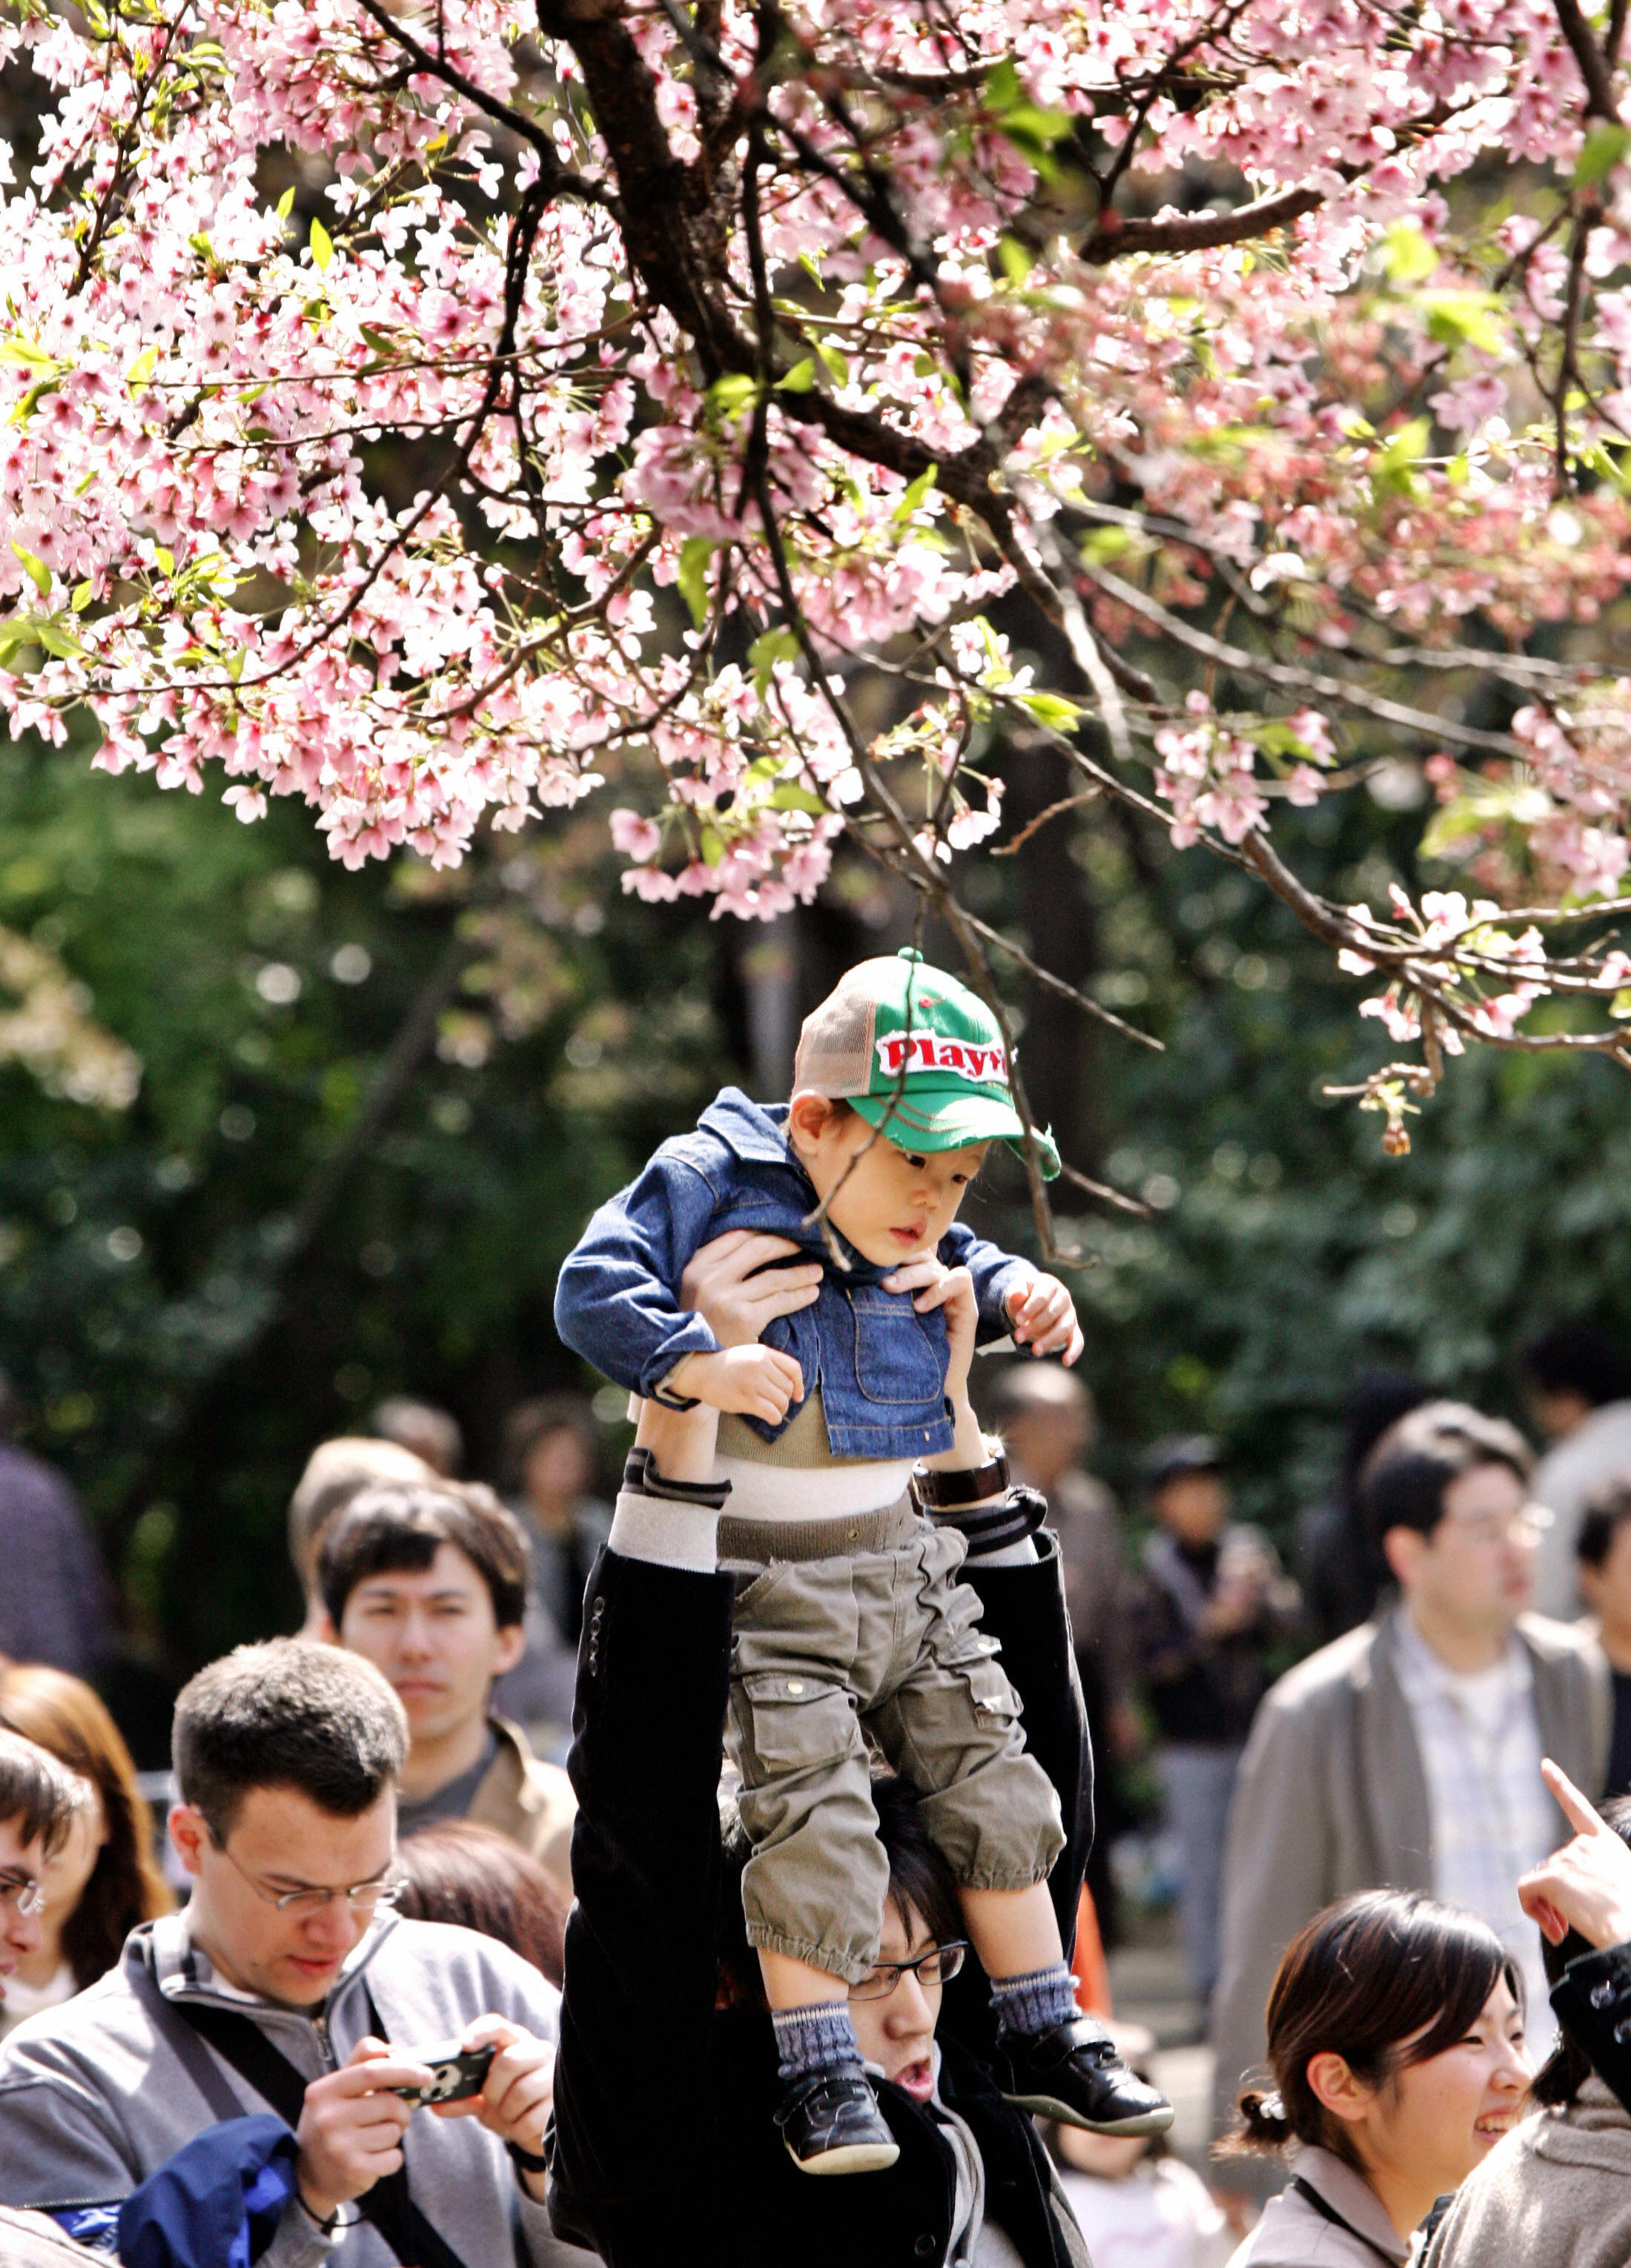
(1036, 2001)
(820, 2038)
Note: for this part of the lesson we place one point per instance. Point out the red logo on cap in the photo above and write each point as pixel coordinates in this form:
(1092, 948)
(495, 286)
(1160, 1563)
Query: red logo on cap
(922, 1051)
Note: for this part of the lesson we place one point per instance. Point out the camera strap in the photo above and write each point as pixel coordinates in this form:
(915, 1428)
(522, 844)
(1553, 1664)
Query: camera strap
(239, 2042)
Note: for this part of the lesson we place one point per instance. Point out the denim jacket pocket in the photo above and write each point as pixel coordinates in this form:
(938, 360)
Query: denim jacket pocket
(896, 1360)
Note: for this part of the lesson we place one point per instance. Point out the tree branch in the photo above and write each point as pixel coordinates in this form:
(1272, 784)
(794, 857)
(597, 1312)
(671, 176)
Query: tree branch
(1114, 238)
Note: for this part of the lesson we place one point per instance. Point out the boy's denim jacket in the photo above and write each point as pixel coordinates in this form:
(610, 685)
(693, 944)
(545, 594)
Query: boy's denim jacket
(879, 1365)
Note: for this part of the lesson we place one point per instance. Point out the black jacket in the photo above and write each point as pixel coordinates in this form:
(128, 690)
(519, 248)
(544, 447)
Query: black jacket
(1592, 2003)
(663, 2141)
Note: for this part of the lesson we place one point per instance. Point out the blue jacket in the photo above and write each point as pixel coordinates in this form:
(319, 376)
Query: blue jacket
(879, 1365)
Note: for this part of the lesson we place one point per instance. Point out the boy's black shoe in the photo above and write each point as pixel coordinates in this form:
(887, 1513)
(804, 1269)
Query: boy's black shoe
(830, 2122)
(1075, 2073)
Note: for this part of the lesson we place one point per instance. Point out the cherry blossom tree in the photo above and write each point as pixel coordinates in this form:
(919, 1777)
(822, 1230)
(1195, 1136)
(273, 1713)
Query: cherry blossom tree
(676, 393)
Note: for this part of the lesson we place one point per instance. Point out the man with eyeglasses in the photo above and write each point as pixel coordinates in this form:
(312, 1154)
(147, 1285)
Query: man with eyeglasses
(288, 1985)
(1407, 1754)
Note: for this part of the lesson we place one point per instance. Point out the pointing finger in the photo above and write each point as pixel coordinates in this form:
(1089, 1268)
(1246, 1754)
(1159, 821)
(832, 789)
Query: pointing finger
(1580, 1815)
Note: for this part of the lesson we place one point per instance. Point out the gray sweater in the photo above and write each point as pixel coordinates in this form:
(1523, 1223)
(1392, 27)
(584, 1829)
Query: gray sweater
(1554, 2193)
(93, 2097)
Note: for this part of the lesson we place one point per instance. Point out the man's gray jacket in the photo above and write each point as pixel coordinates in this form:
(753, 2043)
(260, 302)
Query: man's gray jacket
(95, 2096)
(1332, 1798)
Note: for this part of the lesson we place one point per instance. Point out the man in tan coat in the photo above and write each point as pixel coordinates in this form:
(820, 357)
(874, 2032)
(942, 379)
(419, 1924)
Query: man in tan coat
(1406, 1754)
(429, 1581)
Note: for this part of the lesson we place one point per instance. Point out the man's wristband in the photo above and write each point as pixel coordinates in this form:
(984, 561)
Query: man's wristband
(524, 2161)
(942, 1491)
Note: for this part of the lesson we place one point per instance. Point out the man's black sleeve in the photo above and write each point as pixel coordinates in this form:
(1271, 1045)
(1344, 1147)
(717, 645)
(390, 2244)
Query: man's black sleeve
(653, 1673)
(1024, 1610)
(1592, 2003)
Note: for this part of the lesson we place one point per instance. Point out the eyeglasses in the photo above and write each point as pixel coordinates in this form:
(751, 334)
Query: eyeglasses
(1524, 1526)
(22, 1894)
(937, 1966)
(363, 1897)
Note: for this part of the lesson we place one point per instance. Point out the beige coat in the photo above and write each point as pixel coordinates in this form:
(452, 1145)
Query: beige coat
(1556, 2193)
(1294, 2234)
(529, 1801)
(1331, 1798)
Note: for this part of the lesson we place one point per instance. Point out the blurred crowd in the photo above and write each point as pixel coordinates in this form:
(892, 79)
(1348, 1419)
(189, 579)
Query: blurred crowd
(1367, 1710)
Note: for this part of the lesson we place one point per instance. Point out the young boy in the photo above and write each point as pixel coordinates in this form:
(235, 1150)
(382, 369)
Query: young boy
(838, 1428)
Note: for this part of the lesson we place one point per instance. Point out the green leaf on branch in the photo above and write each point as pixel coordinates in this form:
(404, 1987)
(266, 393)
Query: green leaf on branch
(285, 203)
(322, 244)
(1602, 151)
(1048, 709)
(769, 648)
(692, 579)
(713, 846)
(1454, 317)
(38, 574)
(1393, 469)
(1016, 261)
(914, 496)
(799, 379)
(729, 396)
(790, 797)
(833, 362)
(1407, 254)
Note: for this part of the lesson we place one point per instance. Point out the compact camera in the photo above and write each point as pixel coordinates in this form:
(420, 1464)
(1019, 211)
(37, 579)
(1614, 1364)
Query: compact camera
(456, 2073)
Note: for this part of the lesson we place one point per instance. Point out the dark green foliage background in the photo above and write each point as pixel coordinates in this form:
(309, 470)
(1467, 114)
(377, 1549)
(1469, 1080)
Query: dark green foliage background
(1284, 1249)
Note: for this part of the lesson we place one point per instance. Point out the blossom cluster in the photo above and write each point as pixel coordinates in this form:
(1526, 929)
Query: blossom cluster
(617, 390)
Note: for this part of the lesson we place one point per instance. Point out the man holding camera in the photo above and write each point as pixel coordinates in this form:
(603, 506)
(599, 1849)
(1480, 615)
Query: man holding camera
(289, 1984)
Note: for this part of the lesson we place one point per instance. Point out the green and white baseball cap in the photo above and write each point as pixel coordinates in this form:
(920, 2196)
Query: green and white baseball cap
(917, 1054)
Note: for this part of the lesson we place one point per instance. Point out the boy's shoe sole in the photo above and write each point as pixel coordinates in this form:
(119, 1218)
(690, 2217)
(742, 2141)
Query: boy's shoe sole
(853, 2158)
(1049, 2106)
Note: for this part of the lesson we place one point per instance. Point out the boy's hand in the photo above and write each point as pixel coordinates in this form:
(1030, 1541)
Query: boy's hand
(934, 1284)
(1042, 1315)
(516, 2096)
(754, 1381)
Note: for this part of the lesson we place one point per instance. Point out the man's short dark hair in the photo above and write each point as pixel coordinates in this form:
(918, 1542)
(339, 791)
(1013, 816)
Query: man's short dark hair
(1403, 1481)
(395, 1530)
(1607, 1509)
(288, 1713)
(1578, 1358)
(39, 1796)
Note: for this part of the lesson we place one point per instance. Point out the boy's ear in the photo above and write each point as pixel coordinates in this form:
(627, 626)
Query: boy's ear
(807, 1119)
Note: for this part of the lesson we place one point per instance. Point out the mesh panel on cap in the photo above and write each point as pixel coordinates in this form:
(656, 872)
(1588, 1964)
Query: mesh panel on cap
(835, 1042)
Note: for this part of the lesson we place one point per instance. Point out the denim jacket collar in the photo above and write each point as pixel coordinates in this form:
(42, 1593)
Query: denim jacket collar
(756, 1131)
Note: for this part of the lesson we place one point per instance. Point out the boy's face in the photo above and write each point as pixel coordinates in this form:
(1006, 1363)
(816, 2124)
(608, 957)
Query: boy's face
(892, 1203)
(1607, 1589)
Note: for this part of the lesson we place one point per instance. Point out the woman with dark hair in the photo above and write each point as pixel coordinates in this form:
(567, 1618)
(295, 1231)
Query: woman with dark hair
(1396, 2043)
(103, 1880)
(459, 1872)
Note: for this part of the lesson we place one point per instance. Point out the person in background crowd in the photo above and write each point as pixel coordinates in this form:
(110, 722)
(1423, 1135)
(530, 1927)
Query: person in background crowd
(1408, 1753)
(103, 1880)
(1205, 1609)
(550, 1447)
(334, 1473)
(1579, 1389)
(40, 1800)
(1603, 1548)
(1138, 2204)
(430, 1582)
(1339, 1571)
(431, 1433)
(1046, 1419)
(54, 1599)
(475, 1876)
(276, 1989)
(1396, 2046)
